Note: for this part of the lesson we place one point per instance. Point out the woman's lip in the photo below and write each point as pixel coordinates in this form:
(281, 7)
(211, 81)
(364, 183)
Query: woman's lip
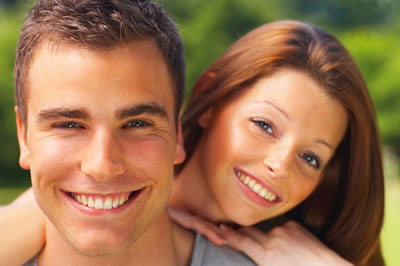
(263, 183)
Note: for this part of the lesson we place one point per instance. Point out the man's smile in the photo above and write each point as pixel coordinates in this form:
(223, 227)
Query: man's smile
(103, 202)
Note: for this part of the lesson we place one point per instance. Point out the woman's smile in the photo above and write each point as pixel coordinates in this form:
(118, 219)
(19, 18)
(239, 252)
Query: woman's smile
(275, 137)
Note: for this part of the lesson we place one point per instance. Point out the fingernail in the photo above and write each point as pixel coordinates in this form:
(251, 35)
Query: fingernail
(223, 227)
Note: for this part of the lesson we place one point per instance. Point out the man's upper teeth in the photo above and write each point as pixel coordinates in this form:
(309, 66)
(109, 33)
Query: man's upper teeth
(263, 192)
(100, 202)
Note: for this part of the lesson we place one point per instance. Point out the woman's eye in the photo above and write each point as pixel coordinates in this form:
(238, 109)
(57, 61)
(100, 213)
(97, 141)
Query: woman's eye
(136, 124)
(265, 126)
(68, 124)
(311, 160)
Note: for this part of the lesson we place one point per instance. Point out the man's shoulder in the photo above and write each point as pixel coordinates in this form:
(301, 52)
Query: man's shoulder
(207, 254)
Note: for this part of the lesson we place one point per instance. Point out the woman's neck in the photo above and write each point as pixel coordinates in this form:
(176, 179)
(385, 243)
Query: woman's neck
(191, 193)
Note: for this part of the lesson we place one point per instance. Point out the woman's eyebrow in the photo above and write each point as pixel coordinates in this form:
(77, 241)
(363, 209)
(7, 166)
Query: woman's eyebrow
(276, 107)
(323, 142)
(144, 108)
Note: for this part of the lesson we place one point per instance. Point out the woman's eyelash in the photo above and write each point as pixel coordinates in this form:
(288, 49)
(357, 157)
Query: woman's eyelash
(312, 160)
(264, 125)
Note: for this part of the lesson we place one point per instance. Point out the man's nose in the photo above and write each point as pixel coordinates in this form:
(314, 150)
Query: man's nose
(102, 158)
(278, 160)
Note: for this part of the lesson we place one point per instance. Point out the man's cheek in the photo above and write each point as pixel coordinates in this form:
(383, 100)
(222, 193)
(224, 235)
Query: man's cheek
(149, 150)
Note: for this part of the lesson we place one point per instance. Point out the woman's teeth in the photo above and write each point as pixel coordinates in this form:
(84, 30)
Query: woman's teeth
(99, 202)
(263, 192)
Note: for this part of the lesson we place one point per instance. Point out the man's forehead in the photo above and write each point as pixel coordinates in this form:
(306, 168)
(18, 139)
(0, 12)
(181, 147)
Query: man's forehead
(138, 79)
(142, 49)
(137, 54)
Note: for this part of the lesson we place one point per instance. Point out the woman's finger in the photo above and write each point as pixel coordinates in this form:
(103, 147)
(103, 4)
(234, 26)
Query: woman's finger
(209, 230)
(254, 233)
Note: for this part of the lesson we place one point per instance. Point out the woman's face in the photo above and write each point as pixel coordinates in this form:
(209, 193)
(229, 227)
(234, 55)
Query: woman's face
(264, 151)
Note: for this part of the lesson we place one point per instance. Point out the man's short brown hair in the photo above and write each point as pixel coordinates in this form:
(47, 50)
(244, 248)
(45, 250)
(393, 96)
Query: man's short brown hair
(97, 24)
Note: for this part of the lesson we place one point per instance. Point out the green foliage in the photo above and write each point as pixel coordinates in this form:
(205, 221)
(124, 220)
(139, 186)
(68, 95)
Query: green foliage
(10, 21)
(8, 194)
(208, 28)
(344, 13)
(378, 55)
(391, 229)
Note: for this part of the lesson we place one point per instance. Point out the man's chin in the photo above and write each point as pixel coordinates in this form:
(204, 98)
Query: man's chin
(104, 247)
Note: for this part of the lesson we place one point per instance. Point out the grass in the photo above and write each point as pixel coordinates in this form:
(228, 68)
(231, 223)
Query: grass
(391, 228)
(390, 233)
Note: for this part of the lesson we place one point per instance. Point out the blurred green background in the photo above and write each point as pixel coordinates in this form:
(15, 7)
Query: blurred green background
(370, 29)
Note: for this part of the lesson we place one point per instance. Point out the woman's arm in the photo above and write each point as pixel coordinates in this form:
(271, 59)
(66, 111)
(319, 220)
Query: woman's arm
(21, 229)
(290, 244)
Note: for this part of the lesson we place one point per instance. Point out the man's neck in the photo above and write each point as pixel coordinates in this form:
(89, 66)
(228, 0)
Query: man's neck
(163, 243)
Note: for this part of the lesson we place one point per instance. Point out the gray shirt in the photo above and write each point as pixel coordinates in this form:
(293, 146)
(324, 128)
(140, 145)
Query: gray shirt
(205, 254)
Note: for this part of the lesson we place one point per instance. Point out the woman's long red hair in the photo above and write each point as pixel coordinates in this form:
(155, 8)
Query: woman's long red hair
(346, 210)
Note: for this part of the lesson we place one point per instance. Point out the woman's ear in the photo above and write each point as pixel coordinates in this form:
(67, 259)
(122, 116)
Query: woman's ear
(203, 82)
(205, 118)
(24, 160)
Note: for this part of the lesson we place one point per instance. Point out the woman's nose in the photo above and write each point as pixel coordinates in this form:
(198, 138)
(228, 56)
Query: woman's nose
(277, 162)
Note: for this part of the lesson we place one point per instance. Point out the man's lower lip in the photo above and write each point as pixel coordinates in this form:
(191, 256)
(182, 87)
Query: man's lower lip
(92, 211)
(253, 196)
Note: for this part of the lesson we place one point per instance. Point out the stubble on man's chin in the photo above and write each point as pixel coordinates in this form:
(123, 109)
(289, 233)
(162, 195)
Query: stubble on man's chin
(101, 248)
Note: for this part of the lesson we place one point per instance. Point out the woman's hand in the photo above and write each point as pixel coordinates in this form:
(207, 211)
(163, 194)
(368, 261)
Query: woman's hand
(290, 244)
(195, 223)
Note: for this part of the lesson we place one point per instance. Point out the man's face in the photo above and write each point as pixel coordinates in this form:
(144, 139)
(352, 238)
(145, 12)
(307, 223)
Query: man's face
(100, 141)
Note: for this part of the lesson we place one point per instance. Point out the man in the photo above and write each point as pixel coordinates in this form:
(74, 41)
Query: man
(99, 88)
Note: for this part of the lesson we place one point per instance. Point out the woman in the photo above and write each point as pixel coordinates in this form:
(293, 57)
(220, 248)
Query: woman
(345, 210)
(282, 128)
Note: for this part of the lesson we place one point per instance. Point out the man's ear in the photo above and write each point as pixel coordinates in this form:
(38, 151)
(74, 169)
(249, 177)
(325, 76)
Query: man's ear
(24, 159)
(180, 153)
(205, 118)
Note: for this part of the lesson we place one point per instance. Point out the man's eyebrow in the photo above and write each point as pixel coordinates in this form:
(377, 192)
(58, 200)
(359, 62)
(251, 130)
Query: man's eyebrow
(53, 113)
(146, 108)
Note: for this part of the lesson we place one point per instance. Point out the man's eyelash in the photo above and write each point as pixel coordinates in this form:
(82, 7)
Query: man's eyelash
(68, 124)
(137, 124)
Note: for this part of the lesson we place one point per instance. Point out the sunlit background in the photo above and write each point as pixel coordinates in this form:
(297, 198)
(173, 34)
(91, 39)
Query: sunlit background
(369, 29)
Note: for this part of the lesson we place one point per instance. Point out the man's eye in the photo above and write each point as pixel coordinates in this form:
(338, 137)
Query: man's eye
(264, 126)
(311, 160)
(68, 124)
(136, 124)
